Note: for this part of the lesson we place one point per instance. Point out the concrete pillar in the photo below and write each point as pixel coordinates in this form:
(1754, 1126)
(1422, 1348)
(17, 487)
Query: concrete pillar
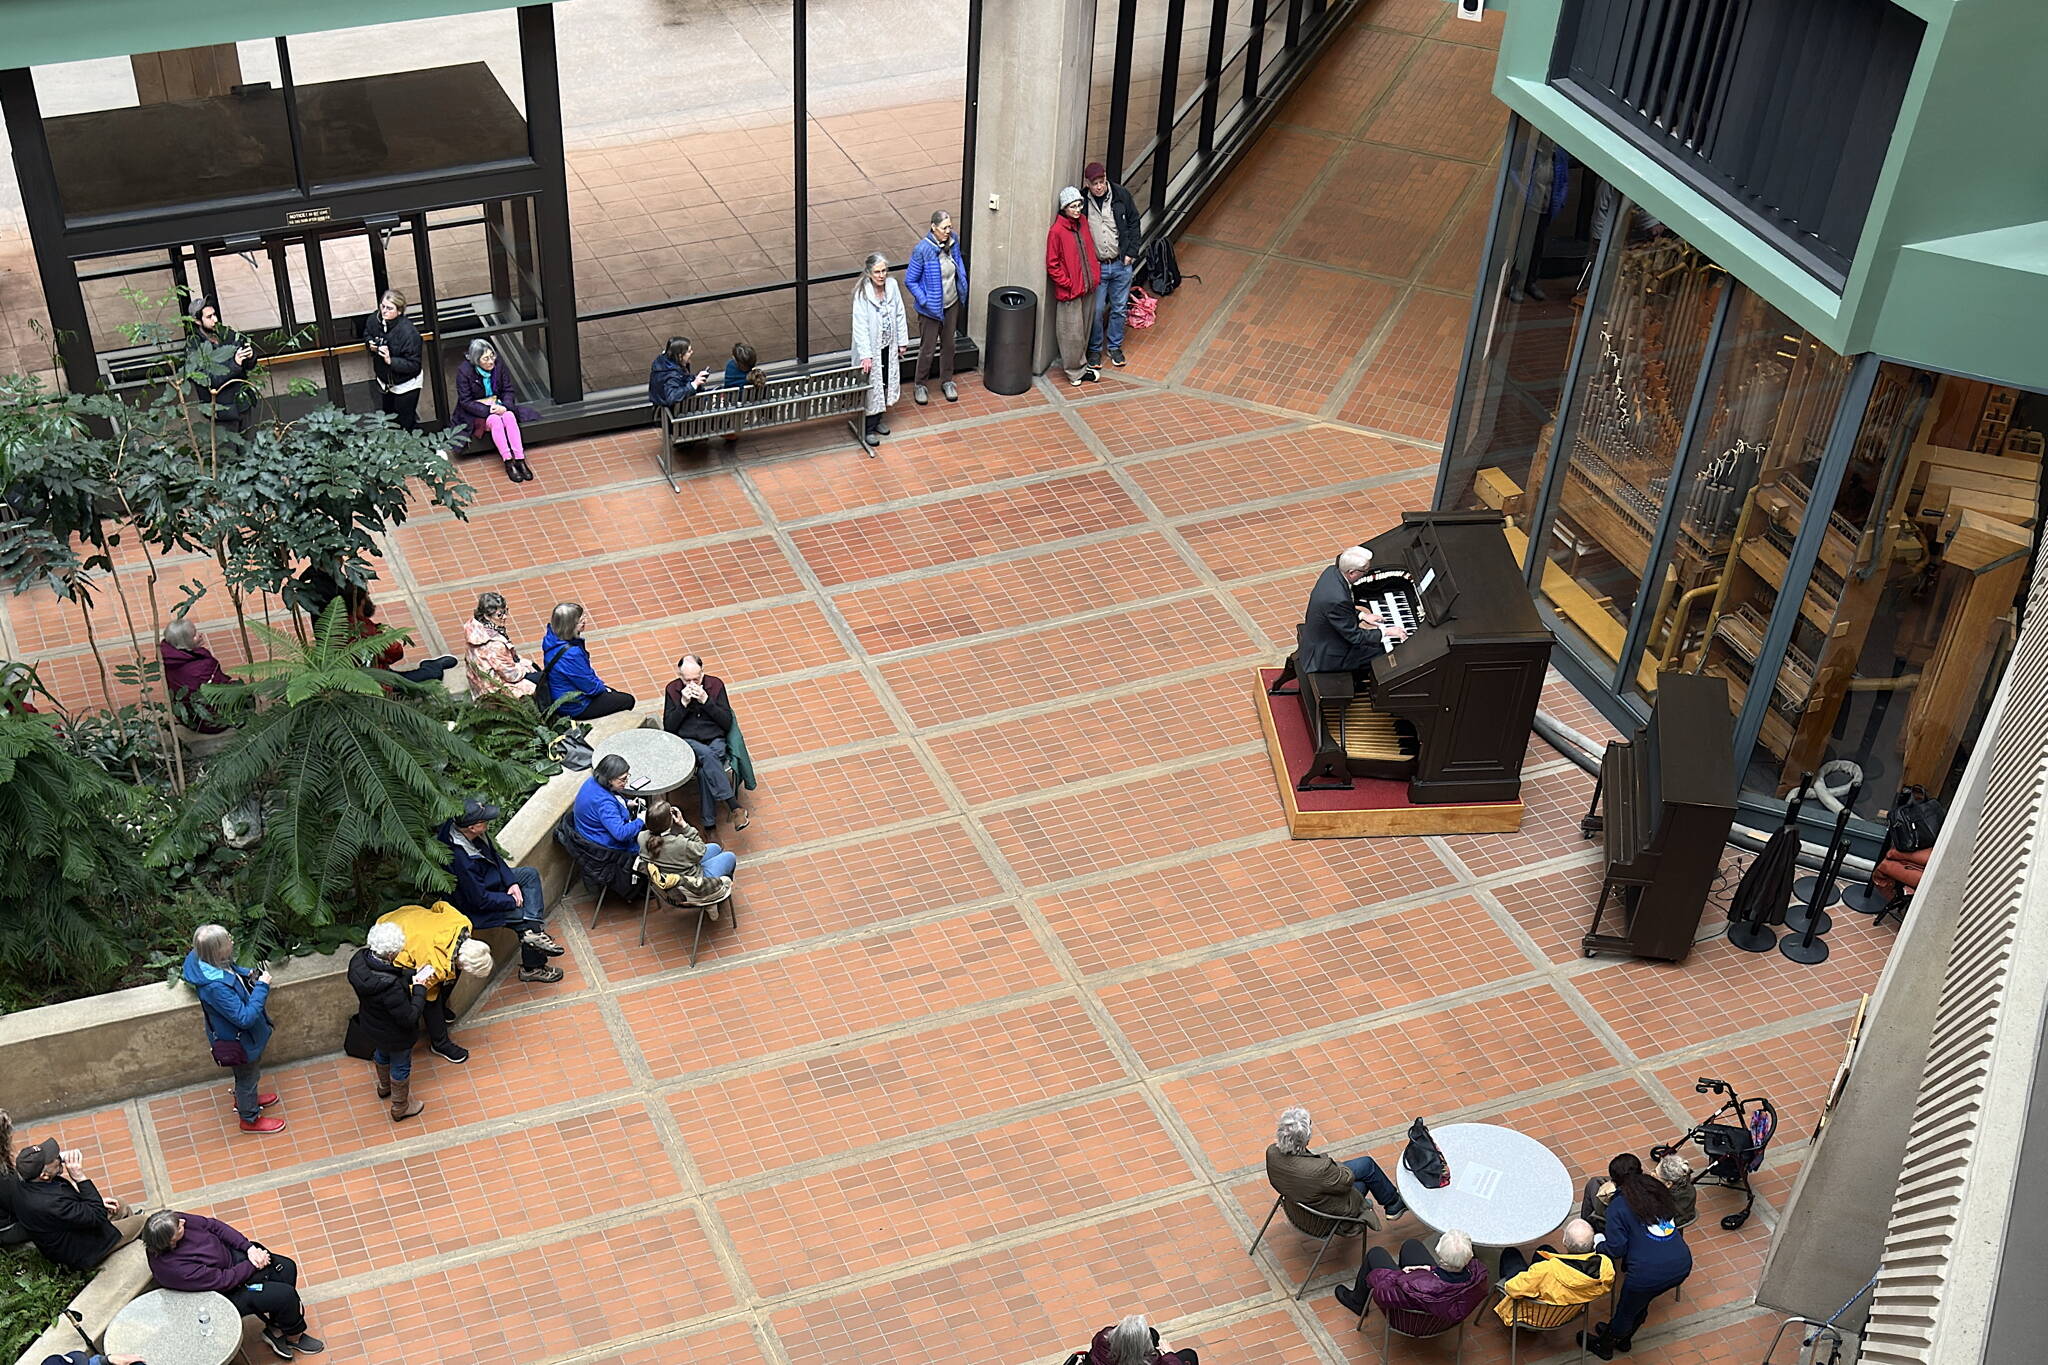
(1831, 1233)
(1037, 57)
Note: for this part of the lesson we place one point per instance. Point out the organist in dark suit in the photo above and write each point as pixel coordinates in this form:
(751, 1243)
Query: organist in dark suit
(1338, 635)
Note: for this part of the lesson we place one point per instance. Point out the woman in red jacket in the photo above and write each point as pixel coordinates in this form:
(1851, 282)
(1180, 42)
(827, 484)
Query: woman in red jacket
(1071, 264)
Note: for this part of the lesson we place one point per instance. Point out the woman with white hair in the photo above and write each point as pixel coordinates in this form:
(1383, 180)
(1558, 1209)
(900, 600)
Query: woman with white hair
(488, 402)
(1443, 1282)
(390, 1001)
(439, 938)
(232, 1001)
(1133, 1341)
(188, 666)
(880, 327)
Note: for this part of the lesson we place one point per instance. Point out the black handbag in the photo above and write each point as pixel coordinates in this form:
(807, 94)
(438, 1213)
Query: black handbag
(229, 1052)
(1424, 1159)
(356, 1042)
(1916, 820)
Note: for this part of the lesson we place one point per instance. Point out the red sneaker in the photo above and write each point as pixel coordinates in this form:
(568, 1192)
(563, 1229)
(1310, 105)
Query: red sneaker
(265, 1101)
(265, 1124)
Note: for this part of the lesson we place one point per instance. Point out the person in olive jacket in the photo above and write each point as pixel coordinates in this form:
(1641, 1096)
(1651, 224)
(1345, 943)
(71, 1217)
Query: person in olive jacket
(391, 1002)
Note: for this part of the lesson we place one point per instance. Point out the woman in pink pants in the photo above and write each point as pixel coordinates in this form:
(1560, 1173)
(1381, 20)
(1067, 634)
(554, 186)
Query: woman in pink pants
(486, 399)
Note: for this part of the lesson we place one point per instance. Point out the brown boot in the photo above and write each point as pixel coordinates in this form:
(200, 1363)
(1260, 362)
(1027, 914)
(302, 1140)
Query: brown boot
(403, 1105)
(383, 1081)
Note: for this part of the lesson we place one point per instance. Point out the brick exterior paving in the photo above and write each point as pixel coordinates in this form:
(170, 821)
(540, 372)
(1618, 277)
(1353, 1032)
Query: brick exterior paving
(1026, 964)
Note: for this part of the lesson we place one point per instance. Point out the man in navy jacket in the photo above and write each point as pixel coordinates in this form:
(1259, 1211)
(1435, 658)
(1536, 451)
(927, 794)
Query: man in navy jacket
(496, 895)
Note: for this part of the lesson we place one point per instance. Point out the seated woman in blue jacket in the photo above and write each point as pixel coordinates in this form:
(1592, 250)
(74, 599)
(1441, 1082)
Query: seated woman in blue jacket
(1644, 1238)
(573, 685)
(600, 815)
(669, 380)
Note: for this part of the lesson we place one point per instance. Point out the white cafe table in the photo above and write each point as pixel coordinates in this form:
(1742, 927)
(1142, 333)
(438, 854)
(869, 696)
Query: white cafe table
(1506, 1189)
(170, 1327)
(660, 761)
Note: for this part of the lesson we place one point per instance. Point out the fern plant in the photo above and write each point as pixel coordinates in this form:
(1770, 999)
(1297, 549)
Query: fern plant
(350, 777)
(67, 863)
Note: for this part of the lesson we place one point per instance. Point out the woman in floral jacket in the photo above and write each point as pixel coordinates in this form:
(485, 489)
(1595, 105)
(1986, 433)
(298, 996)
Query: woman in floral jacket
(494, 664)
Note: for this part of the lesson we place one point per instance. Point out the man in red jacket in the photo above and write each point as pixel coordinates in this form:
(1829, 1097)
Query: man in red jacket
(1071, 263)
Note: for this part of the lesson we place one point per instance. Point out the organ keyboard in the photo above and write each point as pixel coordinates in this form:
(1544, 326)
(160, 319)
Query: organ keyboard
(1669, 799)
(1449, 708)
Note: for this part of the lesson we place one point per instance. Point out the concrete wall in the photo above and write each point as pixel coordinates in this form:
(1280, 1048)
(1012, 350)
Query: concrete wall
(83, 1054)
(1036, 58)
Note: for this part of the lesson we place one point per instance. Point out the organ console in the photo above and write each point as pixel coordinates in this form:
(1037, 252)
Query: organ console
(1669, 799)
(1449, 708)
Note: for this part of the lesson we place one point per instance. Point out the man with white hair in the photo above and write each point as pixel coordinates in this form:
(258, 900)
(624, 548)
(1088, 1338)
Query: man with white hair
(1313, 1183)
(440, 937)
(1337, 635)
(1578, 1274)
(390, 1001)
(1443, 1282)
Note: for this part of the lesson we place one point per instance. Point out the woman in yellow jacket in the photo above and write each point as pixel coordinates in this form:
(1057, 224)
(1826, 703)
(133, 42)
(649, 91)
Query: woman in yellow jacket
(438, 936)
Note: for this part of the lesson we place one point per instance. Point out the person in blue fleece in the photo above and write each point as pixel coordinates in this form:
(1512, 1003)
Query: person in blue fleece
(232, 1000)
(573, 685)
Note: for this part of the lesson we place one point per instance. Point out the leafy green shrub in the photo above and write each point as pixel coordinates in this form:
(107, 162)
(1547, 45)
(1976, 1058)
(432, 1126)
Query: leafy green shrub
(33, 1294)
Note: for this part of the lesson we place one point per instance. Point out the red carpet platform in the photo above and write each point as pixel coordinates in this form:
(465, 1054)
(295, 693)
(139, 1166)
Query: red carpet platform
(1373, 806)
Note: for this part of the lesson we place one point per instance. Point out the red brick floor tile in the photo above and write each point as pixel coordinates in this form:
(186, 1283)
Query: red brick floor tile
(951, 1194)
(729, 1343)
(1040, 587)
(1556, 908)
(1272, 466)
(1553, 804)
(433, 1204)
(562, 467)
(537, 1302)
(737, 646)
(1277, 345)
(1265, 189)
(1484, 33)
(854, 548)
(1403, 16)
(1268, 1338)
(1040, 1298)
(804, 1111)
(1800, 1064)
(1079, 835)
(1380, 211)
(626, 591)
(1296, 534)
(937, 462)
(508, 539)
(1064, 661)
(1183, 317)
(1277, 606)
(1349, 78)
(332, 1107)
(1464, 1055)
(975, 401)
(789, 899)
(835, 796)
(1721, 990)
(1455, 266)
(751, 1010)
(787, 719)
(1214, 900)
(1265, 994)
(1407, 385)
(1011, 758)
(1145, 423)
(1443, 104)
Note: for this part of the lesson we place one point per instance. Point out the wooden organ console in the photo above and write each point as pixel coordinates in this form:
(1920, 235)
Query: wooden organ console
(1663, 805)
(1448, 709)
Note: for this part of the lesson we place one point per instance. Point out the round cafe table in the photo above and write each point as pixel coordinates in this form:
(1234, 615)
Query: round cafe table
(1506, 1188)
(660, 761)
(170, 1327)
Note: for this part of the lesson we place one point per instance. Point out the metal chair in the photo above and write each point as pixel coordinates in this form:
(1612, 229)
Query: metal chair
(1534, 1315)
(729, 906)
(1416, 1326)
(1339, 1227)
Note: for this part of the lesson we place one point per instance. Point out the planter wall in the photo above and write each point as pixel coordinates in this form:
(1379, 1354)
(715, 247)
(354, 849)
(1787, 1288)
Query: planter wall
(84, 1054)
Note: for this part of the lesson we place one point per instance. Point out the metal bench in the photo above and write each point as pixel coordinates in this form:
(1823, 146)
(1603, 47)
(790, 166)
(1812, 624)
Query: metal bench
(839, 392)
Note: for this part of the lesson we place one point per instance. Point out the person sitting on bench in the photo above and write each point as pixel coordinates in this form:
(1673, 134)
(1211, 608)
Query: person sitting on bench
(1337, 634)
(196, 1254)
(64, 1213)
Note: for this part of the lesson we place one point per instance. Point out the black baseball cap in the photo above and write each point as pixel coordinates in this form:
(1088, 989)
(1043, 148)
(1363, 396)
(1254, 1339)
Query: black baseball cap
(30, 1162)
(475, 812)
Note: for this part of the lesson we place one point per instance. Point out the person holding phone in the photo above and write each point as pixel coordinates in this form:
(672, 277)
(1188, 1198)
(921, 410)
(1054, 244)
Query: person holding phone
(670, 381)
(390, 1002)
(394, 347)
(602, 815)
(233, 1002)
(218, 361)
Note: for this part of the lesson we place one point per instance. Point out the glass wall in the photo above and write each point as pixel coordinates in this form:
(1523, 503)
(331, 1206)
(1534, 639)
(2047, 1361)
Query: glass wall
(1552, 214)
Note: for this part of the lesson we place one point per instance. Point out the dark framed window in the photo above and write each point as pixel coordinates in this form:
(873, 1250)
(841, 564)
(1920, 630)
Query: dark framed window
(1781, 111)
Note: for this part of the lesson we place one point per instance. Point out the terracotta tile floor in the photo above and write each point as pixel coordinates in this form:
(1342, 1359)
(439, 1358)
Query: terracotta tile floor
(1026, 963)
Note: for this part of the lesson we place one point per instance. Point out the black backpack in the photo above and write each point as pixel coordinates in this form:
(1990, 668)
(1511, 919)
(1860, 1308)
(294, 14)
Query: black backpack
(1916, 820)
(1162, 270)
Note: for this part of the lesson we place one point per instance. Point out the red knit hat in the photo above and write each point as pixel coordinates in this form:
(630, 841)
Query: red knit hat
(1095, 170)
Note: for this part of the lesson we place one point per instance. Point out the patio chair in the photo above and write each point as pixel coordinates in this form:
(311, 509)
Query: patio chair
(602, 870)
(1415, 1326)
(1534, 1315)
(728, 906)
(1339, 1227)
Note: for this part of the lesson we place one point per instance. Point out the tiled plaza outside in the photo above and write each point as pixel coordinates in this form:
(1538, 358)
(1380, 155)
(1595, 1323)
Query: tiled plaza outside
(1027, 964)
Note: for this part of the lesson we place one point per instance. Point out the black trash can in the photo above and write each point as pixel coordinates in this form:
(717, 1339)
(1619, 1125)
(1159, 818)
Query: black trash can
(1012, 337)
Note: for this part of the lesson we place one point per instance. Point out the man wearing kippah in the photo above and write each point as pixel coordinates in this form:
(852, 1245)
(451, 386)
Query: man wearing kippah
(1113, 222)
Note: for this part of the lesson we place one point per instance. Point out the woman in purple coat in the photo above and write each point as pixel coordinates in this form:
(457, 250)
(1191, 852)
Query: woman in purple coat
(194, 1253)
(188, 666)
(486, 399)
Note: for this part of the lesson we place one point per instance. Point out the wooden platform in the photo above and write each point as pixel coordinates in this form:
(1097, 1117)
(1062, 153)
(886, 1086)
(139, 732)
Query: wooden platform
(1373, 808)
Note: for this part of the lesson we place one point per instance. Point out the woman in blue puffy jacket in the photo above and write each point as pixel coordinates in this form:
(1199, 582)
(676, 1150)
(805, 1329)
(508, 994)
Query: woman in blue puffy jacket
(573, 685)
(233, 1001)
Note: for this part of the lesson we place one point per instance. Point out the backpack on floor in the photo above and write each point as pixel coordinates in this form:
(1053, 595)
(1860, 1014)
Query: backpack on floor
(1162, 268)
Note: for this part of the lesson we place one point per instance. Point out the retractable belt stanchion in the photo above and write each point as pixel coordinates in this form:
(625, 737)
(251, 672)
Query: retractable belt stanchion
(1809, 918)
(1867, 899)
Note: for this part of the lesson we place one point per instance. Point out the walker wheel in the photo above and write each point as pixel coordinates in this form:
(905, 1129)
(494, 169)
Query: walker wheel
(1735, 1220)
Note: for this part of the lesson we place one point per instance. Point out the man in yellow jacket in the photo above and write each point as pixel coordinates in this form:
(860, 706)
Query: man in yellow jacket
(438, 936)
(1565, 1279)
